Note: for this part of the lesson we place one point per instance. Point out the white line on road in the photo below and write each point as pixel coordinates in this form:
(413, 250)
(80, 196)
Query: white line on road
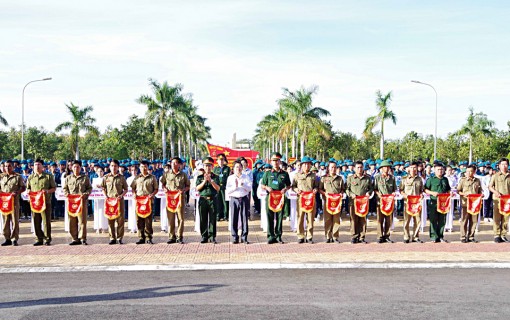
(261, 266)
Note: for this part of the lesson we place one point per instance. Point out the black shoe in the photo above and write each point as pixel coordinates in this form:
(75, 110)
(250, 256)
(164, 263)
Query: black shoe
(204, 240)
(141, 241)
(112, 242)
(505, 239)
(417, 240)
(362, 241)
(214, 241)
(47, 243)
(150, 241)
(180, 241)
(473, 240)
(497, 240)
(443, 240)
(75, 243)
(120, 241)
(84, 242)
(38, 243)
(301, 241)
(463, 241)
(329, 240)
(437, 240)
(6, 243)
(236, 241)
(279, 240)
(407, 241)
(388, 240)
(381, 241)
(15, 243)
(171, 241)
(354, 241)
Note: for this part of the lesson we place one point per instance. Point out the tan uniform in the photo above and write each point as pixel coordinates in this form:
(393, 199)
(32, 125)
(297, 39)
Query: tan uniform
(358, 186)
(305, 182)
(78, 185)
(12, 183)
(384, 185)
(468, 221)
(332, 184)
(501, 183)
(173, 182)
(412, 187)
(114, 186)
(143, 186)
(42, 221)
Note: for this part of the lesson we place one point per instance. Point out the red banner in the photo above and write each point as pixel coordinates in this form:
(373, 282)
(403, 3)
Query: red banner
(233, 154)
(112, 208)
(143, 206)
(504, 204)
(74, 205)
(474, 203)
(443, 203)
(37, 201)
(333, 203)
(6, 203)
(307, 201)
(173, 201)
(361, 206)
(387, 204)
(413, 205)
(275, 200)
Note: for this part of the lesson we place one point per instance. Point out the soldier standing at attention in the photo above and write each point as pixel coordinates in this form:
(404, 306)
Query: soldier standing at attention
(222, 171)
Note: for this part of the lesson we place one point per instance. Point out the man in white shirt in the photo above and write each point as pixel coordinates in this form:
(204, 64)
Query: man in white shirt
(238, 189)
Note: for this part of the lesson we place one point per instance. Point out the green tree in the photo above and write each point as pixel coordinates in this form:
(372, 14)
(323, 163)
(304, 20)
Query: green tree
(383, 113)
(477, 124)
(2, 120)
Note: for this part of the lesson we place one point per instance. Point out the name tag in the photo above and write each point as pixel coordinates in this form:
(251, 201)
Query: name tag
(275, 182)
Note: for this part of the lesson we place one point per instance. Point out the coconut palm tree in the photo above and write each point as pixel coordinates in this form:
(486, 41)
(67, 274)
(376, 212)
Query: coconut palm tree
(477, 124)
(81, 120)
(2, 120)
(383, 113)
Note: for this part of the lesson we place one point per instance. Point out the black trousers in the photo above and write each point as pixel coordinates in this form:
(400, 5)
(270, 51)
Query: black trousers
(239, 210)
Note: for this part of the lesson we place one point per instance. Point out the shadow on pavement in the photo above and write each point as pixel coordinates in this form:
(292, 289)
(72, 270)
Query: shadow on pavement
(157, 292)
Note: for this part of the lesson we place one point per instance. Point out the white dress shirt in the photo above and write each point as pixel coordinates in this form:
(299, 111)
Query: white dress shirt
(243, 186)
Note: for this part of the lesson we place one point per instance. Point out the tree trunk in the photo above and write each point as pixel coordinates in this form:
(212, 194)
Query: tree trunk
(172, 151)
(302, 147)
(179, 146)
(470, 149)
(294, 143)
(77, 148)
(287, 149)
(382, 141)
(163, 140)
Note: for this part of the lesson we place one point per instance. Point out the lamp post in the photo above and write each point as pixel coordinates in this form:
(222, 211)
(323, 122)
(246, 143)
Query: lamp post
(23, 117)
(435, 126)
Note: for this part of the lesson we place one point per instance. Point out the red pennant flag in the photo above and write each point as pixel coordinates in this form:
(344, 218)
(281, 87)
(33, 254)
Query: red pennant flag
(6, 203)
(37, 201)
(276, 201)
(74, 205)
(504, 204)
(333, 203)
(361, 206)
(173, 201)
(112, 208)
(413, 205)
(233, 154)
(387, 204)
(474, 203)
(443, 203)
(143, 206)
(307, 201)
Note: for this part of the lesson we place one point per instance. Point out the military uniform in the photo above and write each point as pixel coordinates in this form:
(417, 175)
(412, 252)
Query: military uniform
(332, 184)
(12, 184)
(358, 186)
(114, 185)
(221, 202)
(144, 186)
(78, 225)
(276, 180)
(305, 182)
(37, 182)
(501, 183)
(206, 208)
(437, 219)
(176, 181)
(468, 221)
(384, 185)
(411, 187)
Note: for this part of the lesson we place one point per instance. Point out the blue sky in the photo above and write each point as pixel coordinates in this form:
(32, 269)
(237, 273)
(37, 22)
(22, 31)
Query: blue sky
(235, 56)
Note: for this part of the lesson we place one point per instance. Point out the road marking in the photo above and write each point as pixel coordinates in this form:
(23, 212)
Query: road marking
(262, 266)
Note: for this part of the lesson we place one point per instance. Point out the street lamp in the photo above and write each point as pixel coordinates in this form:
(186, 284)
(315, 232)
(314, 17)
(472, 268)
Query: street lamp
(435, 129)
(23, 117)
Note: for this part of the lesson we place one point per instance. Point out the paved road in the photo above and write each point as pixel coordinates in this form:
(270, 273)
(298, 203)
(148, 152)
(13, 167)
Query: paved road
(259, 294)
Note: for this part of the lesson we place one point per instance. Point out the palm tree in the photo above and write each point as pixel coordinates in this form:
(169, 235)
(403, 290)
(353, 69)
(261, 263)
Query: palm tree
(301, 117)
(383, 113)
(477, 124)
(2, 120)
(81, 120)
(166, 110)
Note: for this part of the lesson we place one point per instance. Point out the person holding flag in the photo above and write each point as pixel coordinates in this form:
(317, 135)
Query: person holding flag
(175, 183)
(77, 188)
(145, 187)
(438, 187)
(306, 186)
(470, 189)
(359, 189)
(411, 189)
(332, 188)
(40, 186)
(385, 188)
(114, 188)
(500, 188)
(11, 186)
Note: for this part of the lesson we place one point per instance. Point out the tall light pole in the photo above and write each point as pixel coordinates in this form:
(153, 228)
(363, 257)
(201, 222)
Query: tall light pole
(435, 126)
(23, 117)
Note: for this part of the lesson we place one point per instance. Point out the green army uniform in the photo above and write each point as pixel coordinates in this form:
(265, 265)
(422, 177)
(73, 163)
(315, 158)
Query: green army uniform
(412, 187)
(173, 182)
(437, 219)
(305, 182)
(206, 207)
(276, 180)
(12, 184)
(144, 186)
(78, 185)
(221, 201)
(331, 184)
(358, 186)
(42, 221)
(384, 185)
(501, 183)
(114, 186)
(468, 221)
